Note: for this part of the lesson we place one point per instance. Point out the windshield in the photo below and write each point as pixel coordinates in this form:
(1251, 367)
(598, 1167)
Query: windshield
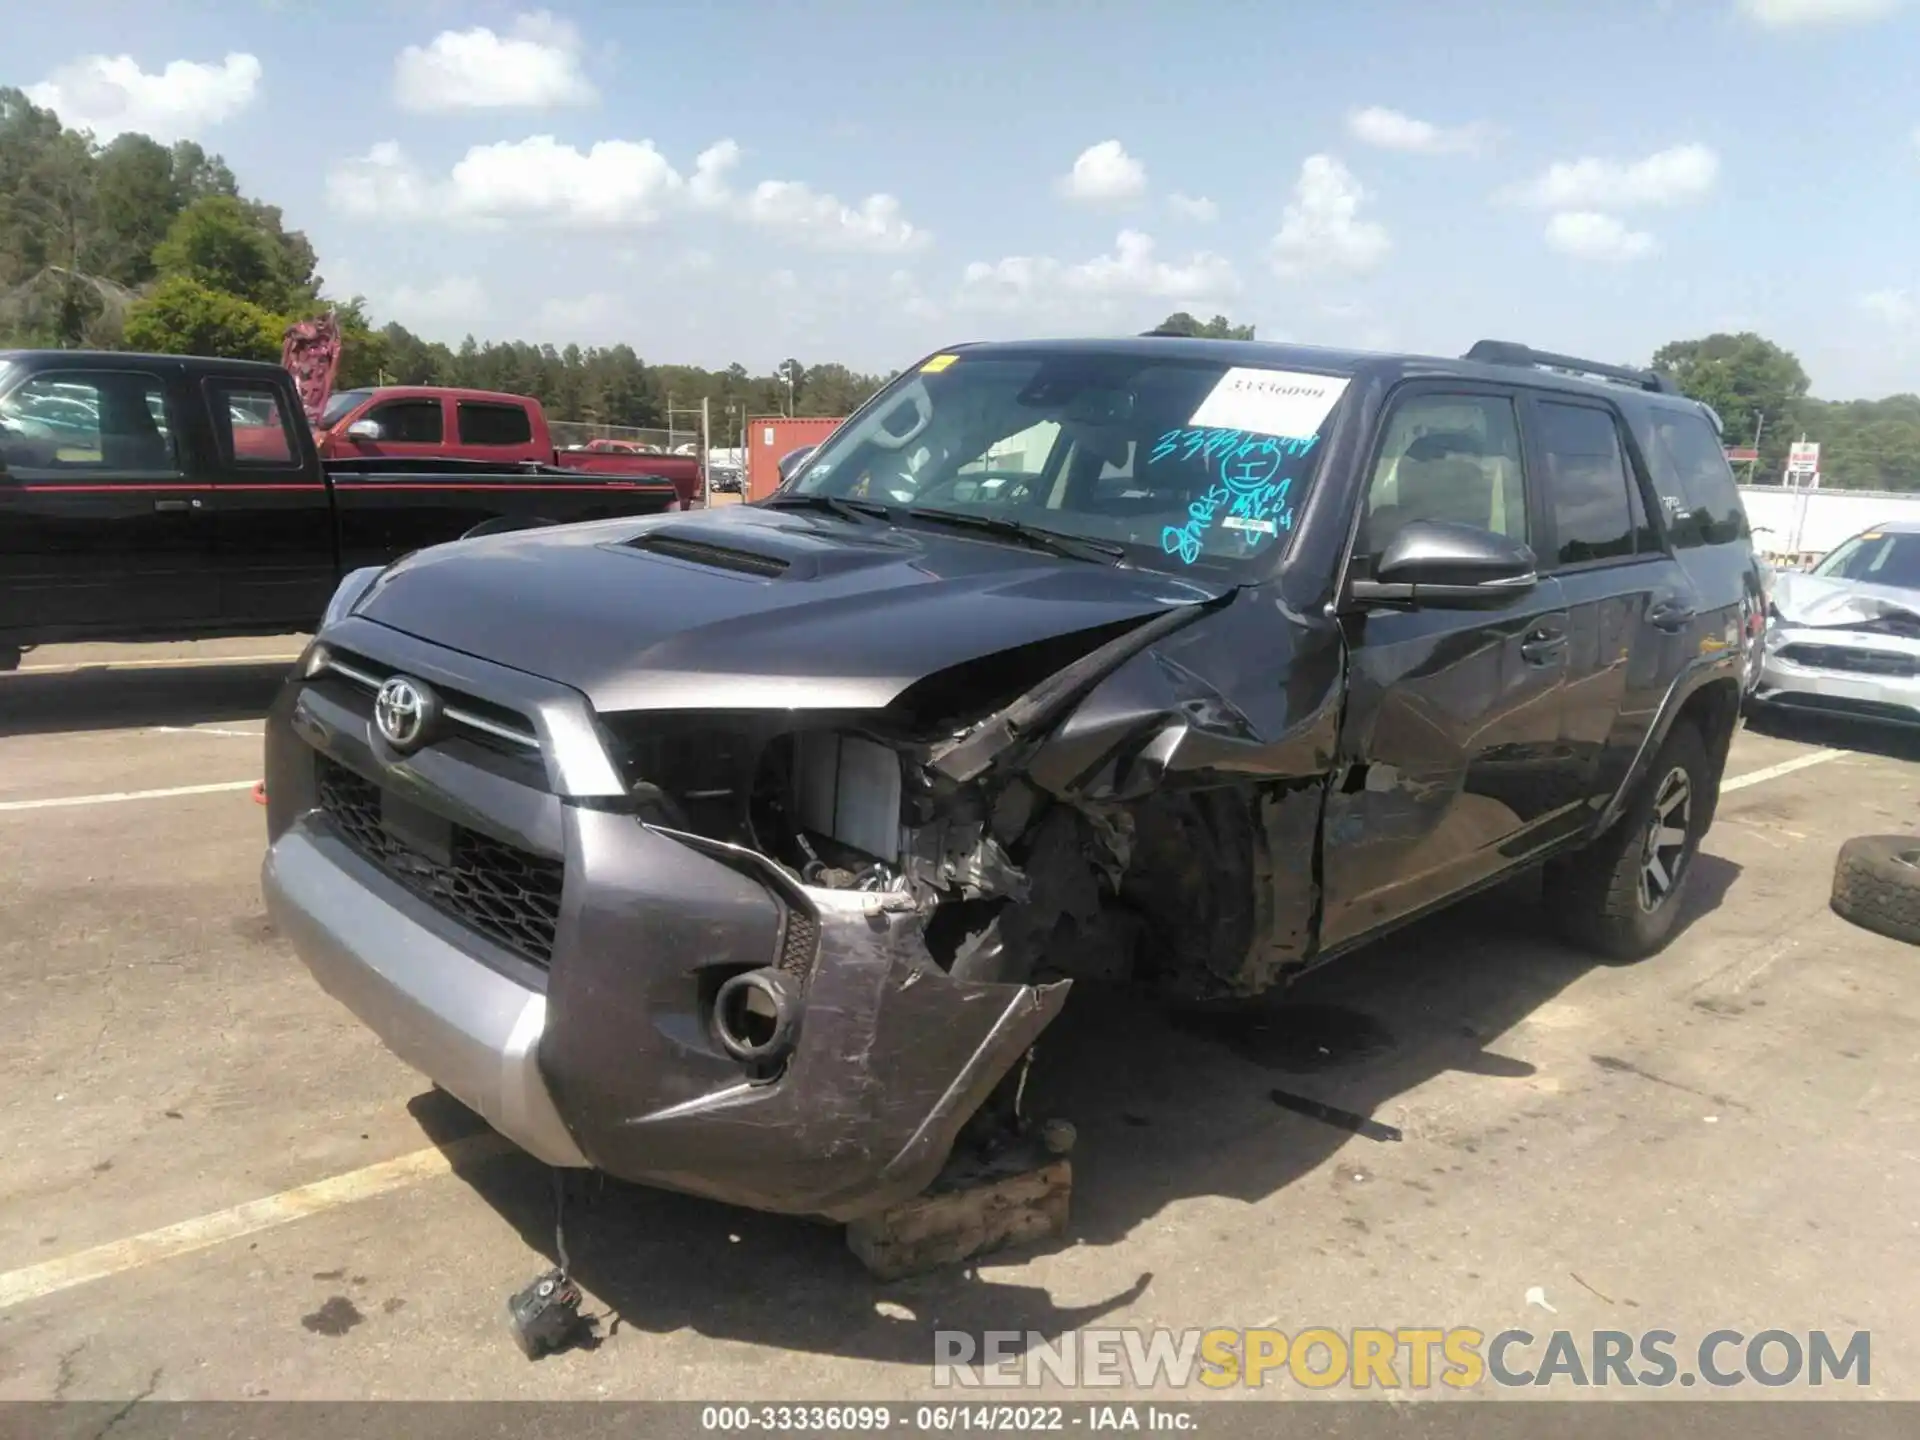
(339, 404)
(1875, 558)
(1183, 463)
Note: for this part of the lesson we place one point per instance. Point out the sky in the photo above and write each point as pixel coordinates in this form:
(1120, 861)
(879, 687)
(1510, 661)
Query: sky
(838, 180)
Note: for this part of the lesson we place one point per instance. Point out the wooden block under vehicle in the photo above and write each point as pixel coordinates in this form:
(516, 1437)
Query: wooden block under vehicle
(944, 1227)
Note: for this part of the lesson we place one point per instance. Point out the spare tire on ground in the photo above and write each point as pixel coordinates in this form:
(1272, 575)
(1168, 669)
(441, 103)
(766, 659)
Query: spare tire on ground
(1876, 885)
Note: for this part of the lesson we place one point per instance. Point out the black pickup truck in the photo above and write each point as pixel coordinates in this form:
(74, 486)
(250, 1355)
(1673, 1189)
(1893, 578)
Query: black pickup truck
(163, 497)
(748, 851)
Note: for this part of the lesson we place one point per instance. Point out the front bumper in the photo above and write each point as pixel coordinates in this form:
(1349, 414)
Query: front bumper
(604, 1055)
(466, 1024)
(1824, 671)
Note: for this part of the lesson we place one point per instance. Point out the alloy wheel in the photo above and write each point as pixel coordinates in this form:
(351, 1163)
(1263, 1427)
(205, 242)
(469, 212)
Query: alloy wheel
(1663, 852)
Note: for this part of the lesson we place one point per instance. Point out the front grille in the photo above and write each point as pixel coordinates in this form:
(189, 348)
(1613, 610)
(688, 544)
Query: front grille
(474, 718)
(510, 895)
(1853, 661)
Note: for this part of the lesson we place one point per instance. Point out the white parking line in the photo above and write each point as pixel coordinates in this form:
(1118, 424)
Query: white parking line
(210, 730)
(205, 1231)
(73, 667)
(1785, 767)
(64, 801)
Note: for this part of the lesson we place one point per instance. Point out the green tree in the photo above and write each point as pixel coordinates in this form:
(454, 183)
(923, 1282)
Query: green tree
(834, 390)
(135, 199)
(52, 295)
(1749, 381)
(1218, 328)
(181, 316)
(196, 175)
(219, 244)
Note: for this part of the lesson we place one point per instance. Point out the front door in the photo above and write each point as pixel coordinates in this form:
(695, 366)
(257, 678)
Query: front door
(1451, 767)
(102, 528)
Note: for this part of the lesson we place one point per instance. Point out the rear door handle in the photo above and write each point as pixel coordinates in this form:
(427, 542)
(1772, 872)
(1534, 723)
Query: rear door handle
(176, 505)
(1670, 615)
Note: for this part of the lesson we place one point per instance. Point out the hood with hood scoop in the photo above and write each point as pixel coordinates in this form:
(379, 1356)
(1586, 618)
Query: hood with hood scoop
(752, 608)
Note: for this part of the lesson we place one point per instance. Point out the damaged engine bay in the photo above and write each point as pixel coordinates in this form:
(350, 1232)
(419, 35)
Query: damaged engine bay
(967, 806)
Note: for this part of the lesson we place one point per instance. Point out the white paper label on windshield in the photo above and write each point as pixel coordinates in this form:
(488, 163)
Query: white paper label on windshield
(1288, 403)
(1252, 523)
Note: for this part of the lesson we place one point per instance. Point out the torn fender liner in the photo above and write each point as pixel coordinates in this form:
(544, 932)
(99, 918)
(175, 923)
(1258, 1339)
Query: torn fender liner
(974, 752)
(892, 1056)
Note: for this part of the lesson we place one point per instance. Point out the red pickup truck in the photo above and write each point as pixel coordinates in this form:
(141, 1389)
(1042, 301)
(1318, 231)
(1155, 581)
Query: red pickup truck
(419, 421)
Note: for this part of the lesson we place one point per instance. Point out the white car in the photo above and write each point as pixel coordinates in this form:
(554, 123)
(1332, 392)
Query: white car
(1844, 638)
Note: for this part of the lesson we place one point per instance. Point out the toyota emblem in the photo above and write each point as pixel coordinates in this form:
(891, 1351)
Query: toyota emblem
(404, 711)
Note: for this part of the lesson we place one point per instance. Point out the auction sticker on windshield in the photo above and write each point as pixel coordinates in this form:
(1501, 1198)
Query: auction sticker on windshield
(1288, 403)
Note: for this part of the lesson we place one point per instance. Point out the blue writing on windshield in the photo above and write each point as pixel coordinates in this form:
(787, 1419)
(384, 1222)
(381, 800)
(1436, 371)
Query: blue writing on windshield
(1251, 489)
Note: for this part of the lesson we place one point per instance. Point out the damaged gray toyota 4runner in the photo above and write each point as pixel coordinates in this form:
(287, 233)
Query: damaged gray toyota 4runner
(748, 852)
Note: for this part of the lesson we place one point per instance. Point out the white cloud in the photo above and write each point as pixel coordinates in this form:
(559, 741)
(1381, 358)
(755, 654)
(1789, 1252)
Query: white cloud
(111, 94)
(1391, 130)
(904, 292)
(454, 299)
(1105, 172)
(1320, 228)
(1589, 235)
(616, 183)
(1669, 177)
(812, 218)
(1896, 307)
(382, 182)
(1131, 271)
(1194, 207)
(1790, 14)
(535, 66)
(711, 167)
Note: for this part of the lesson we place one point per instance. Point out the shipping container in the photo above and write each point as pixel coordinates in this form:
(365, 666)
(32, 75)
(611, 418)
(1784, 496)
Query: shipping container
(771, 436)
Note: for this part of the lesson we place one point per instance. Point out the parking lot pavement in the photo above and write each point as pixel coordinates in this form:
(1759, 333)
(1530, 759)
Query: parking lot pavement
(1726, 1135)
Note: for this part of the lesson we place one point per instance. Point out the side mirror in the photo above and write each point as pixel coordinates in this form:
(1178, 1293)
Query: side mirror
(793, 460)
(1442, 564)
(364, 430)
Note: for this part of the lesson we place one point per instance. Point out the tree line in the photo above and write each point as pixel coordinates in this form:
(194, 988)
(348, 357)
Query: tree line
(142, 246)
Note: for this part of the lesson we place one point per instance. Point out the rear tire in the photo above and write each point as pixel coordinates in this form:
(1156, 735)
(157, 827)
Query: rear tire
(1876, 885)
(1620, 896)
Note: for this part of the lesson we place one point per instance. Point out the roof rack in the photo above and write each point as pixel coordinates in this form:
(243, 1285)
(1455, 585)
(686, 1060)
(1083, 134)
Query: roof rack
(1506, 352)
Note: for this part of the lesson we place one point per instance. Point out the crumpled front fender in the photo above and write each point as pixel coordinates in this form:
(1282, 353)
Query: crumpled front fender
(891, 1058)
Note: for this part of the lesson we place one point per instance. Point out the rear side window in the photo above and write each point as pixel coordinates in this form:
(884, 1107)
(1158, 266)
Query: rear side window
(1695, 483)
(482, 424)
(250, 423)
(1588, 484)
(410, 422)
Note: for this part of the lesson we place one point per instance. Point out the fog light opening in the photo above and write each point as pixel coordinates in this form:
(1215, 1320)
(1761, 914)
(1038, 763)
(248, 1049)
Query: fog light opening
(754, 1015)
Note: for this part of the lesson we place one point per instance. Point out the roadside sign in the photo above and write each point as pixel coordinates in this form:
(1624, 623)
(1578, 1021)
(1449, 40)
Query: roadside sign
(1742, 454)
(1803, 463)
